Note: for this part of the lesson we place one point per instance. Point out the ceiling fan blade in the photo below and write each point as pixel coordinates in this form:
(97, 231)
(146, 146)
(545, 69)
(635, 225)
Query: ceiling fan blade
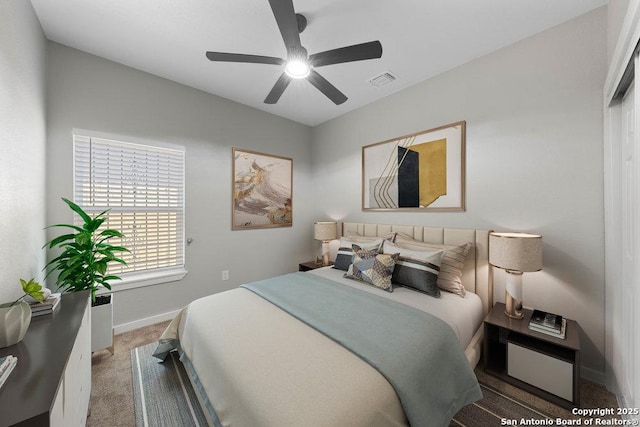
(327, 88)
(356, 52)
(239, 57)
(287, 23)
(278, 89)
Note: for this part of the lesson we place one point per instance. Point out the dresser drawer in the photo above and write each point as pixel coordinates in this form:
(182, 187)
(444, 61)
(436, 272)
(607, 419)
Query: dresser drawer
(542, 371)
(77, 377)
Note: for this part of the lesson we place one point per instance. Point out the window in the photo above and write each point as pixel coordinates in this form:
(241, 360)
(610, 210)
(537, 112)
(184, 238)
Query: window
(142, 187)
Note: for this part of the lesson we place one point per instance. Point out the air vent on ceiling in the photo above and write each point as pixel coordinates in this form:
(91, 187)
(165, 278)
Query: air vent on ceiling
(382, 79)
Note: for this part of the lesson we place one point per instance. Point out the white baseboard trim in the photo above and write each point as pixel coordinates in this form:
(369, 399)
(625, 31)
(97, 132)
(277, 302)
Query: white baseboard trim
(592, 375)
(126, 327)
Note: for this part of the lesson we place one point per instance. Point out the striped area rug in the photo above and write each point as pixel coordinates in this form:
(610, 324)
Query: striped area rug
(493, 408)
(164, 397)
(162, 393)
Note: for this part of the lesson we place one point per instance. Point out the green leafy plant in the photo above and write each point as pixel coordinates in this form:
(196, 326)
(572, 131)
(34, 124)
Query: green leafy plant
(85, 255)
(31, 288)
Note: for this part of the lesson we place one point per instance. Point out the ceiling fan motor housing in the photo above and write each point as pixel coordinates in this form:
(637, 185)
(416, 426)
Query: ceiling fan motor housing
(302, 22)
(298, 53)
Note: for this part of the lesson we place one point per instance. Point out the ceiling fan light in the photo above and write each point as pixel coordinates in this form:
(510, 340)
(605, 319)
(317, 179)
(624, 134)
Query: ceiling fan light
(297, 69)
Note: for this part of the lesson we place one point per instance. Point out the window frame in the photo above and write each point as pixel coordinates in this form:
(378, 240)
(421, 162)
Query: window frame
(138, 279)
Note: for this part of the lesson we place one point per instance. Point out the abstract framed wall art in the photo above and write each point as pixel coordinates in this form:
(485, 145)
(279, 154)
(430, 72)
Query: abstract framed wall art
(262, 190)
(423, 171)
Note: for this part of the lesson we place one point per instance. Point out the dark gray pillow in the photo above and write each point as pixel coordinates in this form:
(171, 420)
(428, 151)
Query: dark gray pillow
(416, 269)
(419, 275)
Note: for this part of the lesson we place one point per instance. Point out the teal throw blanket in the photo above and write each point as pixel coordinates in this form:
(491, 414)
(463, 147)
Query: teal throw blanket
(416, 352)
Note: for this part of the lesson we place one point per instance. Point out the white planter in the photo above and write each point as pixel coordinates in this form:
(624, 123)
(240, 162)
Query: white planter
(14, 322)
(102, 326)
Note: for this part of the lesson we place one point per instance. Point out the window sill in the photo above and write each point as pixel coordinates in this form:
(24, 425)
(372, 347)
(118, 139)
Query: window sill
(140, 280)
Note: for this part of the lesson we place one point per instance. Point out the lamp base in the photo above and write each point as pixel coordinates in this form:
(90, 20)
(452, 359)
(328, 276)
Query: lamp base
(325, 253)
(513, 307)
(325, 259)
(513, 295)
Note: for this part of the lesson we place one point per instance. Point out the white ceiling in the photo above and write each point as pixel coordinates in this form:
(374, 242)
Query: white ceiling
(420, 38)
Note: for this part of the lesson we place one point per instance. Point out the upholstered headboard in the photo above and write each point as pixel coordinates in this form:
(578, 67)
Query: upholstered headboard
(477, 276)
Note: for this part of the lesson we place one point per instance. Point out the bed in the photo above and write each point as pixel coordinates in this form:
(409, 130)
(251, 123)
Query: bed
(257, 359)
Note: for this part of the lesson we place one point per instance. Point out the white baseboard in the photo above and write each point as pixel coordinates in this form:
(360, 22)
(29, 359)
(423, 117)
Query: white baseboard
(126, 327)
(592, 375)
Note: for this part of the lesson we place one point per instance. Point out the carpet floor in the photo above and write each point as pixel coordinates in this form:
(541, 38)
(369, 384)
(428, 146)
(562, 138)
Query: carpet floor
(502, 401)
(112, 394)
(111, 401)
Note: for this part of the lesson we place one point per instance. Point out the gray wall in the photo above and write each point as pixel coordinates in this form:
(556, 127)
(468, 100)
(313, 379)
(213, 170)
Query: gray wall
(22, 138)
(88, 92)
(534, 160)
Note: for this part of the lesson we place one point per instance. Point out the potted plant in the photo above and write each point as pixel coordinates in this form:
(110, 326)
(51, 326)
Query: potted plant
(83, 264)
(15, 318)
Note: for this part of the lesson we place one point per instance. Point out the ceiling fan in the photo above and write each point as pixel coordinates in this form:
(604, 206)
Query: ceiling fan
(299, 64)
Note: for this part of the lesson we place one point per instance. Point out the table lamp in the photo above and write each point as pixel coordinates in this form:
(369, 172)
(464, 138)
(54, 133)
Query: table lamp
(516, 253)
(325, 231)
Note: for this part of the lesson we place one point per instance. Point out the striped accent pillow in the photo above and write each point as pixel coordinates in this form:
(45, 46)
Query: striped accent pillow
(450, 277)
(416, 269)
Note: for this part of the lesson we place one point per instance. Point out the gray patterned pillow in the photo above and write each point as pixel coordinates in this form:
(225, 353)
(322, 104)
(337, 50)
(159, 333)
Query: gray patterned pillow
(345, 252)
(372, 267)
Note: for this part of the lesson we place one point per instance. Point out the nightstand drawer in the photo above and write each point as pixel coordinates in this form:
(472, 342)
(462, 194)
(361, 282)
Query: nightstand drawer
(545, 372)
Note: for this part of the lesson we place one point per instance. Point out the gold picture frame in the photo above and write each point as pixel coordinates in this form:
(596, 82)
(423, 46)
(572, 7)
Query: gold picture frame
(423, 171)
(262, 190)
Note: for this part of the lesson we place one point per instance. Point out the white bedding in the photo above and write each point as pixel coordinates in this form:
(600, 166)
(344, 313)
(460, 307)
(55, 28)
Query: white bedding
(464, 315)
(259, 366)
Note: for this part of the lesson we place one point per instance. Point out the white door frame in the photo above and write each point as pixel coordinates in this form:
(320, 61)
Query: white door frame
(616, 328)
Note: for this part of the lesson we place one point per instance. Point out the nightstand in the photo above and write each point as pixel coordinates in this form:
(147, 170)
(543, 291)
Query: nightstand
(543, 365)
(310, 265)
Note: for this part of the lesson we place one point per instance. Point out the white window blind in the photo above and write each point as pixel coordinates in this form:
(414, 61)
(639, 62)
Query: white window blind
(142, 186)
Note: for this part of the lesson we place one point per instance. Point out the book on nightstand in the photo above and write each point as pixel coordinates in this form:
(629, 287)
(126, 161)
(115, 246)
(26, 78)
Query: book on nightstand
(48, 306)
(548, 323)
(7, 363)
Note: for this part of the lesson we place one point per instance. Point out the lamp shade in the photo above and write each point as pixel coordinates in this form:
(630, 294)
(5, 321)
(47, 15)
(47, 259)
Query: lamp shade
(518, 252)
(325, 231)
